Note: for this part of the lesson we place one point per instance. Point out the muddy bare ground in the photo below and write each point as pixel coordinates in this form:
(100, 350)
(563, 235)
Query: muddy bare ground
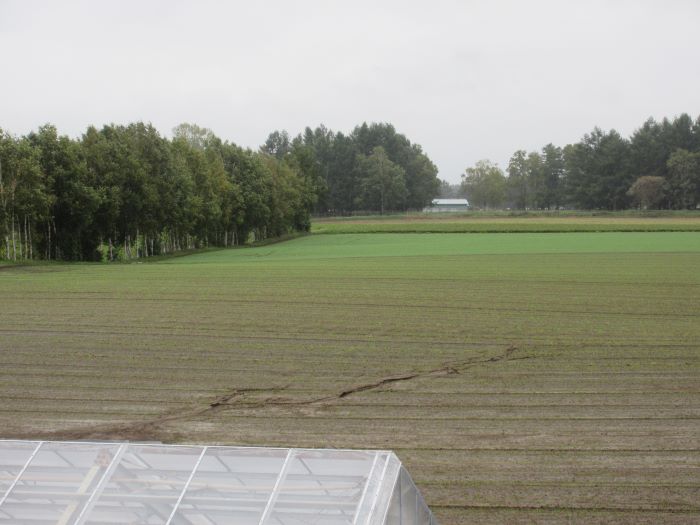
(151, 429)
(538, 389)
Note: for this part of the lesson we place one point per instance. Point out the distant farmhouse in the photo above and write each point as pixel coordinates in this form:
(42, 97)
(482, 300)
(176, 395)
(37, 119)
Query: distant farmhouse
(441, 205)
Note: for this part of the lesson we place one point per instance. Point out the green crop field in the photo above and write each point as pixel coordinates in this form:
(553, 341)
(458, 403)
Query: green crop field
(483, 222)
(529, 377)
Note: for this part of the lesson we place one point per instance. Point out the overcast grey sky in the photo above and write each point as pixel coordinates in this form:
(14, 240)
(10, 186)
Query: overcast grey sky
(466, 80)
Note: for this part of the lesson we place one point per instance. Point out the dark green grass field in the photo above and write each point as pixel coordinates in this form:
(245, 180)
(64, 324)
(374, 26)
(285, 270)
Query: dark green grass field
(523, 378)
(514, 222)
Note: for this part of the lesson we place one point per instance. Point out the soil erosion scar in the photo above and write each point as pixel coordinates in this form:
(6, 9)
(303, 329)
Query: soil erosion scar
(236, 399)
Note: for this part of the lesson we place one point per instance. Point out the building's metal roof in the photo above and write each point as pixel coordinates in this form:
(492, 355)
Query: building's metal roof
(62, 483)
(450, 202)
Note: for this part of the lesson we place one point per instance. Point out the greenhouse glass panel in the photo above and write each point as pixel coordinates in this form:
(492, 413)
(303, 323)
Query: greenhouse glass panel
(139, 483)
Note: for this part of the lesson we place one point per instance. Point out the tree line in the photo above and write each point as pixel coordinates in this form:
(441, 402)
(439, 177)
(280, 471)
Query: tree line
(657, 167)
(124, 192)
(373, 168)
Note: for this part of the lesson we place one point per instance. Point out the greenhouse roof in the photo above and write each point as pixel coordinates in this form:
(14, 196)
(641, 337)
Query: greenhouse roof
(64, 483)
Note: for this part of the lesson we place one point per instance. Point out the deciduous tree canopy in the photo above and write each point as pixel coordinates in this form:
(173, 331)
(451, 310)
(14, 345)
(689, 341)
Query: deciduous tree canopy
(123, 192)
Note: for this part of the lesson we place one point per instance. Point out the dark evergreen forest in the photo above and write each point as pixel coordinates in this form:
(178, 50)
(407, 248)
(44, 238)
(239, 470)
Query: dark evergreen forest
(658, 167)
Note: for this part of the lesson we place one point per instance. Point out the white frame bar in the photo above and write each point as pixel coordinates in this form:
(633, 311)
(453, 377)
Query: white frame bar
(364, 491)
(379, 485)
(101, 484)
(177, 445)
(275, 490)
(19, 474)
(187, 485)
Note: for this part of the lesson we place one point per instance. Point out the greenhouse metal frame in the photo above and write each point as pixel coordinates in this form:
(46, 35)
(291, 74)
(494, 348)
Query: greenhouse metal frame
(77, 483)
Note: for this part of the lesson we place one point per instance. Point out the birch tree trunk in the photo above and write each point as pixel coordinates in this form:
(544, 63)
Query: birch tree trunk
(3, 199)
(55, 236)
(19, 239)
(14, 244)
(25, 247)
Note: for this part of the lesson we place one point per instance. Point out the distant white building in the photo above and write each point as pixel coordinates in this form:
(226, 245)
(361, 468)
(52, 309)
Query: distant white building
(442, 205)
